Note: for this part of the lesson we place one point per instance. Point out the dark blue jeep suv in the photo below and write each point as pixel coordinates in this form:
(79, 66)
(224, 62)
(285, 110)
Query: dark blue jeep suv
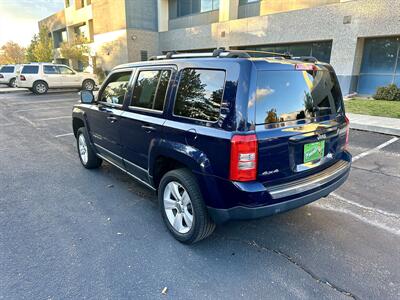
(219, 136)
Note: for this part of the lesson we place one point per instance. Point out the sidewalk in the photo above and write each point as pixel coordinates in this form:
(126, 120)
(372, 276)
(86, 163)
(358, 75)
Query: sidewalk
(5, 90)
(375, 124)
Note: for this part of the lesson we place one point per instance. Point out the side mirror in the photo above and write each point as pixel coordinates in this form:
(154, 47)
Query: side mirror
(87, 97)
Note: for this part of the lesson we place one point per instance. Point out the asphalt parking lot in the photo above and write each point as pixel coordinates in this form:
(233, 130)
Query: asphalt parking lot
(70, 233)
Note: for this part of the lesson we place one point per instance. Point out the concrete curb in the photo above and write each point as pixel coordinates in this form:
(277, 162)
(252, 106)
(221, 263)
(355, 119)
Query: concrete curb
(377, 129)
(11, 90)
(375, 124)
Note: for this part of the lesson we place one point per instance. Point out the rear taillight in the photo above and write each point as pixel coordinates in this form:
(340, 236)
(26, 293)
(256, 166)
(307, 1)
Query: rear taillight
(22, 78)
(244, 152)
(306, 67)
(347, 132)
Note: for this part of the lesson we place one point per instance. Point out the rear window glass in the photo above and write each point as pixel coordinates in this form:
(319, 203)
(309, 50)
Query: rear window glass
(199, 94)
(30, 70)
(296, 95)
(50, 70)
(7, 70)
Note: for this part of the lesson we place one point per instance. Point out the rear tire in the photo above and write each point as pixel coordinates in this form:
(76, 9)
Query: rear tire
(40, 87)
(182, 207)
(88, 85)
(86, 153)
(12, 83)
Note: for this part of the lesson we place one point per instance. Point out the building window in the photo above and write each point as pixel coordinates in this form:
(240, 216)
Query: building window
(69, 3)
(143, 55)
(380, 64)
(244, 2)
(319, 50)
(59, 37)
(181, 8)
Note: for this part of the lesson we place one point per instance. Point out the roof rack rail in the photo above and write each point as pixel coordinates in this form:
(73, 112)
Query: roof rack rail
(221, 53)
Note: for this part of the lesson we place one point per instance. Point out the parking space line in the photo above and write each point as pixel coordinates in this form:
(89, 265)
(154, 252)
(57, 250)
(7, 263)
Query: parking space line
(62, 135)
(42, 108)
(27, 120)
(55, 118)
(376, 149)
(376, 210)
(40, 102)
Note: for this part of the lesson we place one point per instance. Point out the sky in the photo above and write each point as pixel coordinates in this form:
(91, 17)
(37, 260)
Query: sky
(19, 18)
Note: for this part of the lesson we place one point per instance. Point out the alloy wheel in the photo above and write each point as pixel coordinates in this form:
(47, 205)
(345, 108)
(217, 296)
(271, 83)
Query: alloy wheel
(178, 207)
(83, 150)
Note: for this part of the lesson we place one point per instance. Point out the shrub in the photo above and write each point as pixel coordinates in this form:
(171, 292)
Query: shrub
(390, 93)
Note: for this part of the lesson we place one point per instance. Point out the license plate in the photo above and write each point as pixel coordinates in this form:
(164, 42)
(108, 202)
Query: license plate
(314, 151)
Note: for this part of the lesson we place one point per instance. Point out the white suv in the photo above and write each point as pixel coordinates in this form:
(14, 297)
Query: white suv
(8, 75)
(40, 77)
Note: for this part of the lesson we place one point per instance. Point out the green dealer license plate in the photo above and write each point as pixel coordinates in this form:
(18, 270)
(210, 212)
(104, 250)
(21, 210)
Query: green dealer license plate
(314, 151)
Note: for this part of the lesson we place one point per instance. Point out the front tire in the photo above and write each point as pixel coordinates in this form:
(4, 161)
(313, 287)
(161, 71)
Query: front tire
(87, 155)
(88, 85)
(182, 207)
(40, 87)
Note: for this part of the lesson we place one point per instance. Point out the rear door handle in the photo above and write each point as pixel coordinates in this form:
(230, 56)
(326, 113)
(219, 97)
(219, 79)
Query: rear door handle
(148, 128)
(112, 119)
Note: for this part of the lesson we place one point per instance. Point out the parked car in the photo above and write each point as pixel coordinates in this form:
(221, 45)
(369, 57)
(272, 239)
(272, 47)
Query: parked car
(8, 75)
(40, 77)
(219, 136)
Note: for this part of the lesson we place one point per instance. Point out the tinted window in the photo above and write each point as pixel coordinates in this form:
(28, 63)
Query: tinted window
(65, 70)
(150, 89)
(50, 70)
(30, 70)
(115, 90)
(295, 95)
(199, 94)
(162, 90)
(7, 70)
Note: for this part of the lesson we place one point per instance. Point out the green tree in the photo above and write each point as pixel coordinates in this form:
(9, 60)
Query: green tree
(12, 53)
(42, 46)
(30, 51)
(77, 49)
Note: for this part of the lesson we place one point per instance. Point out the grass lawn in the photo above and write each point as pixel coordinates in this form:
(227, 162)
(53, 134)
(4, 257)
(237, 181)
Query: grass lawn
(380, 108)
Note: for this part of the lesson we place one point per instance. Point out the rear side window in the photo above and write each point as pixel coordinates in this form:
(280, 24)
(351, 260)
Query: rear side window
(7, 70)
(150, 89)
(199, 94)
(296, 95)
(50, 70)
(65, 70)
(116, 87)
(30, 70)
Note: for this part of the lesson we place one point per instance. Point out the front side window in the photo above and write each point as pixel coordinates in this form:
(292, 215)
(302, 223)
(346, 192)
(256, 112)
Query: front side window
(7, 70)
(150, 89)
(199, 94)
(30, 70)
(116, 88)
(65, 70)
(50, 70)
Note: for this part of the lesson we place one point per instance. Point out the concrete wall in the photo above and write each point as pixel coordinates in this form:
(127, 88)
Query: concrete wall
(108, 15)
(142, 14)
(54, 22)
(110, 48)
(329, 22)
(138, 40)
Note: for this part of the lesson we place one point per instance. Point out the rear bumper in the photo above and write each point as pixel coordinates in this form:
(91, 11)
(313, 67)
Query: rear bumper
(288, 196)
